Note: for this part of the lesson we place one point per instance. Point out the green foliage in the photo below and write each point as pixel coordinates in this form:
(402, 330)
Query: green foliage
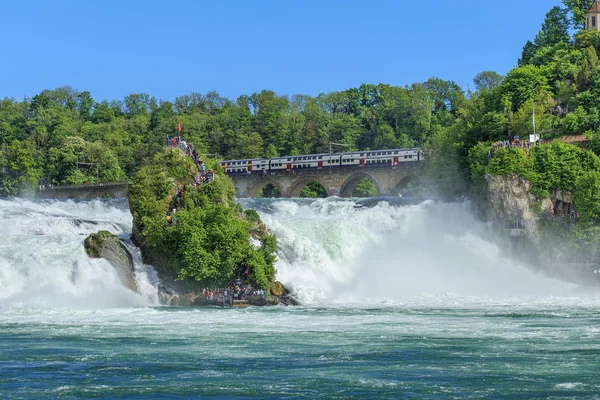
(19, 170)
(577, 9)
(269, 191)
(554, 31)
(487, 80)
(74, 163)
(313, 190)
(210, 241)
(509, 161)
(555, 28)
(522, 84)
(479, 156)
(587, 196)
(365, 188)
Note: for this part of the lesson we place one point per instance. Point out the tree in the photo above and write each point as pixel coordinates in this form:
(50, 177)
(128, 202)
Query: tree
(85, 105)
(19, 171)
(524, 83)
(65, 159)
(313, 190)
(577, 8)
(487, 80)
(588, 68)
(365, 188)
(527, 54)
(555, 28)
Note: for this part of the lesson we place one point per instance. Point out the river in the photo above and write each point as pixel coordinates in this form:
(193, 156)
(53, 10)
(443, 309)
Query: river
(399, 302)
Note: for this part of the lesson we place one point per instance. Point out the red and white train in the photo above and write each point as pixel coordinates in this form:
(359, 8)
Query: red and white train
(358, 159)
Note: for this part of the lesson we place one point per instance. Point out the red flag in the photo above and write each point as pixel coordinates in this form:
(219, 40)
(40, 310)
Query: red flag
(179, 127)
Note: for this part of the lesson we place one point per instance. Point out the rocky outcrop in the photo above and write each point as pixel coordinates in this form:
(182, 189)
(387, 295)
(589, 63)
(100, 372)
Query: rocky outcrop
(283, 294)
(517, 208)
(277, 289)
(106, 245)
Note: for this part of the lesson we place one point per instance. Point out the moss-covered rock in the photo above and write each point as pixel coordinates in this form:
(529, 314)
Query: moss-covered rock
(277, 289)
(106, 245)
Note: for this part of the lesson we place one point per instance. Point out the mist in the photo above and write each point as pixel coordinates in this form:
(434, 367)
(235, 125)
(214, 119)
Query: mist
(333, 251)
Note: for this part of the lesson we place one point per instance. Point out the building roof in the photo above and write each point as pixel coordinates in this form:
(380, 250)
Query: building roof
(574, 139)
(595, 8)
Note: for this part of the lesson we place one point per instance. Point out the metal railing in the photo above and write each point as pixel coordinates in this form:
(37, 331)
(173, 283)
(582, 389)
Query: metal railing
(44, 187)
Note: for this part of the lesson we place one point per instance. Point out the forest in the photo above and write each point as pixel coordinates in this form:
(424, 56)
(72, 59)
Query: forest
(65, 136)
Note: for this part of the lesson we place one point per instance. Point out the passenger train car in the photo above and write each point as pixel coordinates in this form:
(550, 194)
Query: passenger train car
(358, 159)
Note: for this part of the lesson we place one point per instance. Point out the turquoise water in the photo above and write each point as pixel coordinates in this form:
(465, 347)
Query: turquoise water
(427, 348)
(399, 302)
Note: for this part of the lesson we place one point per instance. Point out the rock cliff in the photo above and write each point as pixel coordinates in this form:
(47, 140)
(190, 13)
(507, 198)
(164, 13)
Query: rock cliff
(516, 207)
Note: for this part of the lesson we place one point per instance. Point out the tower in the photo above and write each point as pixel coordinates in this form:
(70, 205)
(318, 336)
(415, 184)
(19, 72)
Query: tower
(592, 17)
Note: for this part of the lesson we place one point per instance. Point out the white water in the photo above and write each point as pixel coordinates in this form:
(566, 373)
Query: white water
(333, 251)
(330, 252)
(43, 262)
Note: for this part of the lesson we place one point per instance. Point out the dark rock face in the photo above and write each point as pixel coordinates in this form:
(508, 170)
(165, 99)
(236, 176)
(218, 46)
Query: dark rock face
(106, 245)
(288, 301)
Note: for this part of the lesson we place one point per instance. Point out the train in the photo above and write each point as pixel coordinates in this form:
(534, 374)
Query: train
(358, 159)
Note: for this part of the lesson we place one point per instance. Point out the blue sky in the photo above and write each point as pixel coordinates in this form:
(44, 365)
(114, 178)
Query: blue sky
(166, 49)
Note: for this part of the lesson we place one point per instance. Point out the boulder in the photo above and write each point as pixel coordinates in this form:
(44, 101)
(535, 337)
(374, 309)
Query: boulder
(277, 289)
(106, 245)
(283, 294)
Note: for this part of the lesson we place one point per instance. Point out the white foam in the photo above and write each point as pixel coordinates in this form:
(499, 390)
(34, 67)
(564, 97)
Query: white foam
(43, 263)
(333, 251)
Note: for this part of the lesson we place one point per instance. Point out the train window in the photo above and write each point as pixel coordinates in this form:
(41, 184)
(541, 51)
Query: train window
(352, 160)
(410, 156)
(396, 152)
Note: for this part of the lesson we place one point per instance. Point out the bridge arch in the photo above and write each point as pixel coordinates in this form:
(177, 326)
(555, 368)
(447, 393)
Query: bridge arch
(350, 183)
(402, 187)
(298, 185)
(257, 186)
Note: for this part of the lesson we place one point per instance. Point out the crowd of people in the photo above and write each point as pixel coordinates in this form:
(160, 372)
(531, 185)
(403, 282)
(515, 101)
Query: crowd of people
(226, 294)
(514, 144)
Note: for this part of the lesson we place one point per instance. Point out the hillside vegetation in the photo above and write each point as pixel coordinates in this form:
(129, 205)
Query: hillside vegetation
(45, 138)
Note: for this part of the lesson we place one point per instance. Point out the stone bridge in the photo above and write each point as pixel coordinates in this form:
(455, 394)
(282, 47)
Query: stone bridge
(113, 190)
(389, 181)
